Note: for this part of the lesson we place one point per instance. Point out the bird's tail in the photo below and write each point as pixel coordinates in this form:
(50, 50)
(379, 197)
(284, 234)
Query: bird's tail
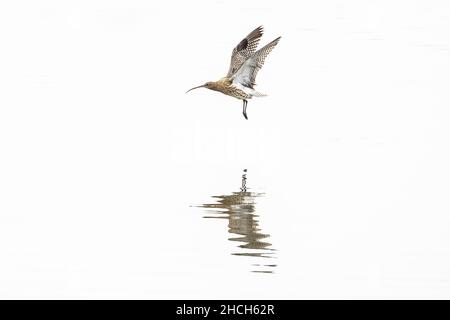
(259, 94)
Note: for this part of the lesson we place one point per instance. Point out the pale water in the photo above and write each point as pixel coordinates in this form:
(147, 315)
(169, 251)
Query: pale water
(116, 184)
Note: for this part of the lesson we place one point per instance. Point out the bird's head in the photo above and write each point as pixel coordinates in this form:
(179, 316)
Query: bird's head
(207, 85)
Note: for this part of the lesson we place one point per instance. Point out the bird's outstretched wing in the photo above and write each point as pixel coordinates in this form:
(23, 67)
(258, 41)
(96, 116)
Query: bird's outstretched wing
(244, 50)
(246, 74)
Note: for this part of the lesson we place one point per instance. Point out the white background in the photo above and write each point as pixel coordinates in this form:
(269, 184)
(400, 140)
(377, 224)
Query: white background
(103, 155)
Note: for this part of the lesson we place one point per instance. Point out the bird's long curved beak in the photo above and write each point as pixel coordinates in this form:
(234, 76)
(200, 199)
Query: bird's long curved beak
(196, 88)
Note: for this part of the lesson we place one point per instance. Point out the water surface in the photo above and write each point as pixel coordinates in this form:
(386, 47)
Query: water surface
(239, 208)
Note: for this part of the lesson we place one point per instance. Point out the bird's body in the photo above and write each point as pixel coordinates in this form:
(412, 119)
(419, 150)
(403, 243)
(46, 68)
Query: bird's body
(236, 90)
(245, 64)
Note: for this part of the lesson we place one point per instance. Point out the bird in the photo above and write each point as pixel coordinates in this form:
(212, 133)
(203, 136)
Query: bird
(245, 63)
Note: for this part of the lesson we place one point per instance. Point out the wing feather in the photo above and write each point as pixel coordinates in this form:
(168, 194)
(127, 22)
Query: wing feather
(244, 50)
(246, 74)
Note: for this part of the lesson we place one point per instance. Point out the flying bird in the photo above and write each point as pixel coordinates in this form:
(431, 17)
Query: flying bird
(246, 61)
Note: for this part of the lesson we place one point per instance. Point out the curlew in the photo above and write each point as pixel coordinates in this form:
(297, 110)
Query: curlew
(245, 64)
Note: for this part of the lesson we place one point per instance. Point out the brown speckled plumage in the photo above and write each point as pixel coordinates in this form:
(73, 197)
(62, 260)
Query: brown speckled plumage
(244, 66)
(244, 50)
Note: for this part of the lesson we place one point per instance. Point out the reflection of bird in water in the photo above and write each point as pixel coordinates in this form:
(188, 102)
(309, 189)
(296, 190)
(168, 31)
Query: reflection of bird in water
(239, 209)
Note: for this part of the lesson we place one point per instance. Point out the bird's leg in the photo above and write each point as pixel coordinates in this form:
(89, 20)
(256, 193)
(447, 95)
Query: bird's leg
(244, 109)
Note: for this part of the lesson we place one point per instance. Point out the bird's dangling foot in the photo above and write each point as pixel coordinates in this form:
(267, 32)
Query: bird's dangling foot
(244, 109)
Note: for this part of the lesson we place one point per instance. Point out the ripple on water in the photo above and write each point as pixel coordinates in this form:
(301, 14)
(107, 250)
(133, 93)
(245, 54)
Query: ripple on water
(239, 208)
